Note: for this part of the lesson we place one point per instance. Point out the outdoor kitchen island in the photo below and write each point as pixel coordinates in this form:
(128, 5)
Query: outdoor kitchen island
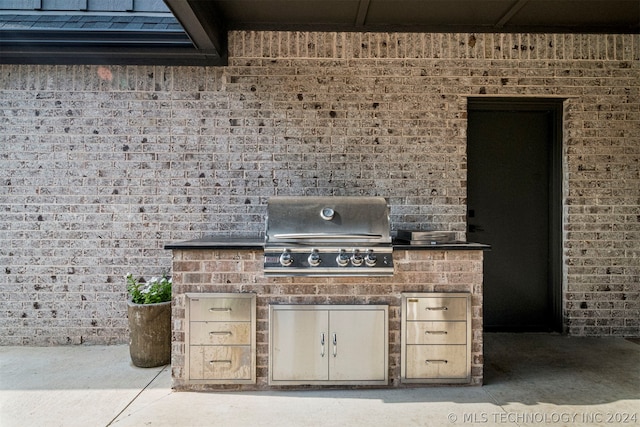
(217, 270)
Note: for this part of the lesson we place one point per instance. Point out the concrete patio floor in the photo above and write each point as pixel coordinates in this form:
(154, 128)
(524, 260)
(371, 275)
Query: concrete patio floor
(530, 379)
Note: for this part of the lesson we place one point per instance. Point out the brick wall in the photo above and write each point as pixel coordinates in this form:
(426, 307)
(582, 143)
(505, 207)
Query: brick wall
(241, 271)
(101, 166)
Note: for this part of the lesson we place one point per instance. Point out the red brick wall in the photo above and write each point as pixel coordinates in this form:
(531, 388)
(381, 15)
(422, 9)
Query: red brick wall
(99, 174)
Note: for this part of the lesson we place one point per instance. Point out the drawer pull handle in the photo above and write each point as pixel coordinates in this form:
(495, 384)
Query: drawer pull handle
(211, 362)
(220, 333)
(443, 308)
(435, 332)
(436, 361)
(214, 309)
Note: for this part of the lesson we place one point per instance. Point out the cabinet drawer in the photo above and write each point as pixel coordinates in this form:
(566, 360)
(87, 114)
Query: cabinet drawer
(436, 332)
(438, 308)
(220, 333)
(220, 363)
(436, 361)
(220, 309)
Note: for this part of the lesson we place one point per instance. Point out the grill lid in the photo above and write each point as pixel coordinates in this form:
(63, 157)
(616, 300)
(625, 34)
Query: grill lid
(328, 236)
(327, 220)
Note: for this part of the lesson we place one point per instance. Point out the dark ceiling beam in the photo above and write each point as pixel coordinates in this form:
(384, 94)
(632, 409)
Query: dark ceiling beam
(56, 54)
(204, 28)
(102, 47)
(98, 38)
(510, 13)
(363, 9)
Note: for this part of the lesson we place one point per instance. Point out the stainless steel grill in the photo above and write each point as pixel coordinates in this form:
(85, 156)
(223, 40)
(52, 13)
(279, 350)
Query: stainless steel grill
(328, 236)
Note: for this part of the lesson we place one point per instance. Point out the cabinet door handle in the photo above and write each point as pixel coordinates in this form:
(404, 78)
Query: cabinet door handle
(223, 309)
(335, 345)
(443, 308)
(220, 333)
(435, 332)
(436, 361)
(322, 344)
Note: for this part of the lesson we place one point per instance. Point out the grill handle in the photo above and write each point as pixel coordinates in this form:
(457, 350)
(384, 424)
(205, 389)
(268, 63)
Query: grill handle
(327, 236)
(335, 345)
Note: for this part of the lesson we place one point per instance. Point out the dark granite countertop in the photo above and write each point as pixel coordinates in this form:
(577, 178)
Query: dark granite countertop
(464, 246)
(248, 243)
(218, 243)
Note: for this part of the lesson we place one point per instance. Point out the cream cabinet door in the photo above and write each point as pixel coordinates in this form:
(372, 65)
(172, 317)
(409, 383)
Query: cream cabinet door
(300, 345)
(328, 344)
(357, 345)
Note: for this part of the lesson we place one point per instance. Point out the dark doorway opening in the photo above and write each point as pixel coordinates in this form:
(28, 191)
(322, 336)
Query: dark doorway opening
(514, 200)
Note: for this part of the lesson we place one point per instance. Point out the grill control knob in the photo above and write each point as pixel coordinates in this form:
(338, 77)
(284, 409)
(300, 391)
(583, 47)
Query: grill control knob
(286, 259)
(370, 259)
(342, 259)
(356, 258)
(314, 258)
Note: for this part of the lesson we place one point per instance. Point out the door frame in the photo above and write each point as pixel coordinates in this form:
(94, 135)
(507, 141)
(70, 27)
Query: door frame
(555, 107)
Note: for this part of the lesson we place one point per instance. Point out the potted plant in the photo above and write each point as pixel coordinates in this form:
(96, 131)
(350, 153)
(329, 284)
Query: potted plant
(149, 313)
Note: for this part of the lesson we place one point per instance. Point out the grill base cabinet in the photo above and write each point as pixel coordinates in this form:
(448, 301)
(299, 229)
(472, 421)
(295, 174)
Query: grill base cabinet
(436, 338)
(221, 338)
(328, 344)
